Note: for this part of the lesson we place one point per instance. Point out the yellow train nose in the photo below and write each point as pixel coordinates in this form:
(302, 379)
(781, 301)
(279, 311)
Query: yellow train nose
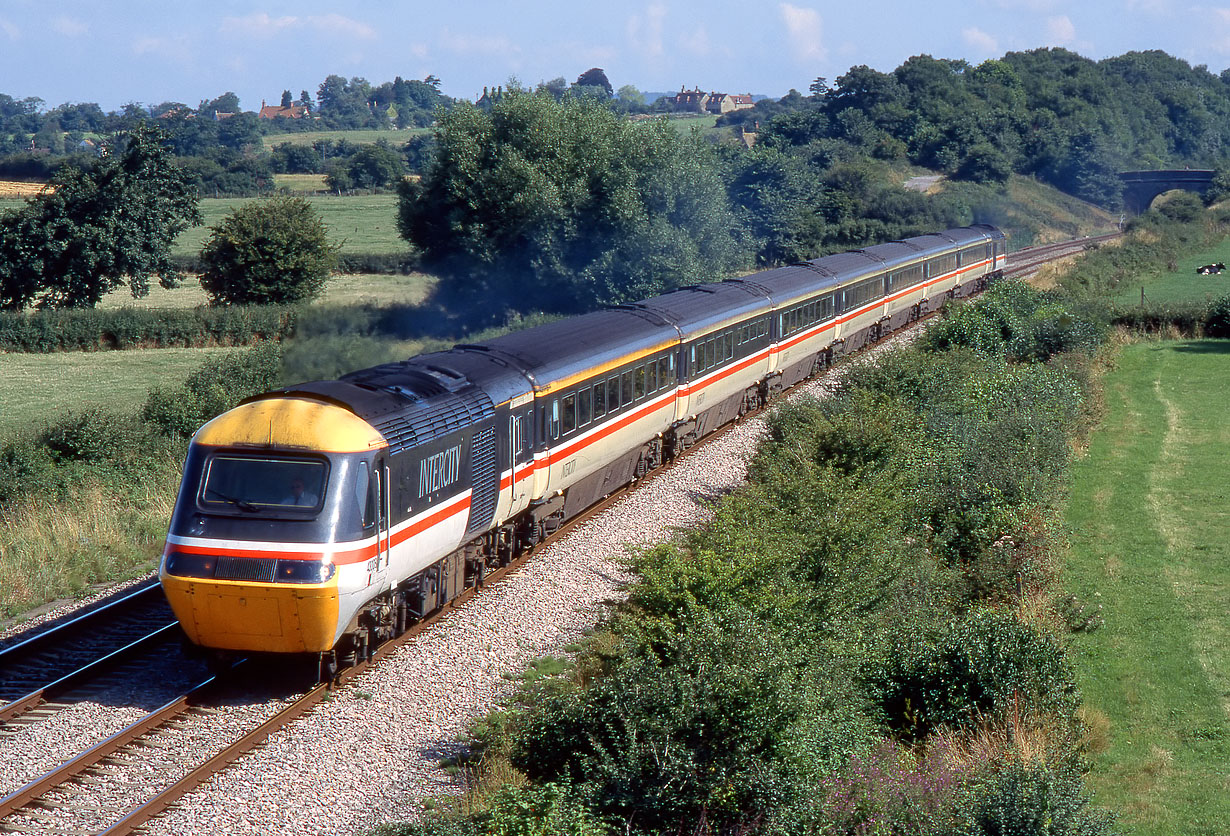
(233, 615)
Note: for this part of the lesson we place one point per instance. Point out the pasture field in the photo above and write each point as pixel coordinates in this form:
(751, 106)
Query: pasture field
(40, 387)
(393, 137)
(300, 183)
(1147, 514)
(1182, 284)
(340, 289)
(360, 224)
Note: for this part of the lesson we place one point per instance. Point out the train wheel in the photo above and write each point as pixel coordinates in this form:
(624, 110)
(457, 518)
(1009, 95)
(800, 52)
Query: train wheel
(326, 668)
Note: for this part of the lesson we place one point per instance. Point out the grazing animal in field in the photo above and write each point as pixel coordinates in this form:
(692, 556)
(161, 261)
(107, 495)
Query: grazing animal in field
(1210, 269)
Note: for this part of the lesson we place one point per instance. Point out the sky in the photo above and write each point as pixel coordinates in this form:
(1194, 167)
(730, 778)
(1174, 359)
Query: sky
(188, 51)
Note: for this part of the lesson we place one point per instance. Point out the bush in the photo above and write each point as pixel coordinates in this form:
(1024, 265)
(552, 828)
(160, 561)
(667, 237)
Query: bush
(272, 252)
(1019, 798)
(721, 723)
(1217, 320)
(213, 389)
(93, 436)
(982, 665)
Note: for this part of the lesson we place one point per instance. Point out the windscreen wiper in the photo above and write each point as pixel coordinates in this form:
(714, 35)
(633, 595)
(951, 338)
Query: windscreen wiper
(241, 504)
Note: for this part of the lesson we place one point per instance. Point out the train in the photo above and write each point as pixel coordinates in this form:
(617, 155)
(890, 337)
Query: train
(325, 517)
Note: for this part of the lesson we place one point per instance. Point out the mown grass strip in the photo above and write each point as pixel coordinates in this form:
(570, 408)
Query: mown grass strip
(1148, 514)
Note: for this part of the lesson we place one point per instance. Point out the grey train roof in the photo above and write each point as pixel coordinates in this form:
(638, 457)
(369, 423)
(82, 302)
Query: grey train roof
(421, 398)
(561, 349)
(700, 308)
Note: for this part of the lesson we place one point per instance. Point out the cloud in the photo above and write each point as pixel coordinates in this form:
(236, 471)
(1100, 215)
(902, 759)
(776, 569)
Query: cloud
(980, 41)
(696, 42)
(262, 25)
(645, 35)
(178, 48)
(69, 27)
(1060, 29)
(803, 31)
(484, 45)
(340, 23)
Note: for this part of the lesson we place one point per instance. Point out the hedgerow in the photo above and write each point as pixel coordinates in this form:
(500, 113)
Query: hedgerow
(123, 328)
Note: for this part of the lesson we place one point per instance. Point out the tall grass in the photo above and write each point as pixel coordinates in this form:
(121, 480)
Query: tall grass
(50, 548)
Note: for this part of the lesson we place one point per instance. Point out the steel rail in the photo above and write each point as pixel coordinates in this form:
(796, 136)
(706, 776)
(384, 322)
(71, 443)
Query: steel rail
(73, 680)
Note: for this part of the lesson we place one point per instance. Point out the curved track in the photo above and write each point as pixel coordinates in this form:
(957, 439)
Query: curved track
(166, 752)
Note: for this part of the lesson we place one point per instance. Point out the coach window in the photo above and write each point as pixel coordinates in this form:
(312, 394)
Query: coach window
(625, 388)
(570, 414)
(583, 413)
(612, 393)
(664, 366)
(554, 428)
(599, 399)
(730, 344)
(638, 383)
(651, 376)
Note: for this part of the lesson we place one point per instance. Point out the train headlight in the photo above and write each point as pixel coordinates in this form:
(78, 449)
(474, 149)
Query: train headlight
(303, 571)
(191, 565)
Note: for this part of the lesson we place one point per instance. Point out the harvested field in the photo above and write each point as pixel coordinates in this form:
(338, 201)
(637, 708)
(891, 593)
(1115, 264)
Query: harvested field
(19, 189)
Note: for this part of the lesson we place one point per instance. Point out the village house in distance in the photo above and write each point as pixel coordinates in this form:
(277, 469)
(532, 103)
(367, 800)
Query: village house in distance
(698, 101)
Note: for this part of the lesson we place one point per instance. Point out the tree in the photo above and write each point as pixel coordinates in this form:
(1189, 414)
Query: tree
(593, 82)
(271, 252)
(97, 228)
(371, 167)
(287, 101)
(538, 204)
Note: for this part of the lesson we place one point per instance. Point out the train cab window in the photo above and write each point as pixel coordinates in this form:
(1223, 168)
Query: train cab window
(365, 495)
(250, 484)
(612, 393)
(569, 417)
(599, 399)
(583, 413)
(625, 388)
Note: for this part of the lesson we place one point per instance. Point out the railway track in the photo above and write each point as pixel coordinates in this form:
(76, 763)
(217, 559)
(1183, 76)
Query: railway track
(80, 653)
(173, 748)
(1025, 262)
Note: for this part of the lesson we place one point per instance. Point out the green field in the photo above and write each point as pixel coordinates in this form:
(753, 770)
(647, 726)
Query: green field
(340, 289)
(301, 183)
(393, 137)
(41, 387)
(360, 224)
(1183, 285)
(1148, 514)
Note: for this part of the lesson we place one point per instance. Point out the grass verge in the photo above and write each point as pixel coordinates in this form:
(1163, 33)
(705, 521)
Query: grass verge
(48, 551)
(1148, 512)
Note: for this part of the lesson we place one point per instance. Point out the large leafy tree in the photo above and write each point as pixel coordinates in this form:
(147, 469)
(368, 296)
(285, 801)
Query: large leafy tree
(562, 206)
(275, 251)
(94, 230)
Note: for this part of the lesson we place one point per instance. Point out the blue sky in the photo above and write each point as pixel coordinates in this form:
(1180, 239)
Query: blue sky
(151, 52)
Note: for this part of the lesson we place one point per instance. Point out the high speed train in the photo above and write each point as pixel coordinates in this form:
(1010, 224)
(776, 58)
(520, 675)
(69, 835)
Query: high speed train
(321, 518)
